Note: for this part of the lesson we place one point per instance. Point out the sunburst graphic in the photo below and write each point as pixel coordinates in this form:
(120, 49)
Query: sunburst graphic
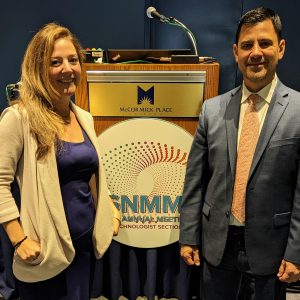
(145, 167)
(145, 99)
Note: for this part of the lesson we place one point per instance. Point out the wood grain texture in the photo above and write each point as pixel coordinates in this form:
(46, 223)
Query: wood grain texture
(189, 124)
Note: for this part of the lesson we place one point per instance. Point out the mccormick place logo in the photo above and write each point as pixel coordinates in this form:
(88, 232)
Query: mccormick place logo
(145, 96)
(144, 103)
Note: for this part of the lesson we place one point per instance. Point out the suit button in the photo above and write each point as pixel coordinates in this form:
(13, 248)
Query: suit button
(227, 214)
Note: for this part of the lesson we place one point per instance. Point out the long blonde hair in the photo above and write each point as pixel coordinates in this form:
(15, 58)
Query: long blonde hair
(36, 92)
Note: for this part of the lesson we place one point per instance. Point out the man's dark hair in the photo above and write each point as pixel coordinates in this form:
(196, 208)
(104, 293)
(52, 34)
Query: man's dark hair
(258, 15)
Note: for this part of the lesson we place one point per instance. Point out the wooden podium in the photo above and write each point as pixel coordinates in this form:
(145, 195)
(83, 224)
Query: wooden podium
(132, 172)
(189, 124)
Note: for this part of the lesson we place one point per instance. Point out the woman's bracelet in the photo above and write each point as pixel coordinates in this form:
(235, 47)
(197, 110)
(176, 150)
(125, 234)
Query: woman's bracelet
(18, 244)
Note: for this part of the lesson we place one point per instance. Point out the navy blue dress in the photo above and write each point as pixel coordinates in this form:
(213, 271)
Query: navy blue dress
(76, 162)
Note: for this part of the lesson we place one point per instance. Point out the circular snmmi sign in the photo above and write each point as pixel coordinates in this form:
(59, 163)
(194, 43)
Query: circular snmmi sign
(145, 161)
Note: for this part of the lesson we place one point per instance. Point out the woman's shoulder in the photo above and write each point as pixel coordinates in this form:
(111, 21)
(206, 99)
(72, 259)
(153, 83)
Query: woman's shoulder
(12, 125)
(15, 111)
(12, 111)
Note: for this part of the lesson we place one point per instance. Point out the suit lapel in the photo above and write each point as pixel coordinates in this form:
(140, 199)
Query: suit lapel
(232, 120)
(277, 107)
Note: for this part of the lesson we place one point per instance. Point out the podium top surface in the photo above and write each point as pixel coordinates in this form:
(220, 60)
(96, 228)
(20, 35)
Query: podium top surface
(123, 55)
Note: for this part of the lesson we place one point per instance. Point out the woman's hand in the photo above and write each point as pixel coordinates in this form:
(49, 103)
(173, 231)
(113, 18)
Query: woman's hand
(29, 250)
(116, 219)
(116, 224)
(26, 249)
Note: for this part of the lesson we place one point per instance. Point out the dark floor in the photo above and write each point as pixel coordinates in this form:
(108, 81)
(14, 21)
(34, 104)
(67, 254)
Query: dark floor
(289, 296)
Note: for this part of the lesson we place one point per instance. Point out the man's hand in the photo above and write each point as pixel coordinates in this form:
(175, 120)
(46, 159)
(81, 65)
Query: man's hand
(190, 254)
(288, 272)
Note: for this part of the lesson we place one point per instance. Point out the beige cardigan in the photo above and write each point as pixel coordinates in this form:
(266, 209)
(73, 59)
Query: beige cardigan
(42, 212)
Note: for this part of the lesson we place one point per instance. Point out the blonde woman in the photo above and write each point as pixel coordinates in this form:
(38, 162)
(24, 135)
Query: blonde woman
(49, 145)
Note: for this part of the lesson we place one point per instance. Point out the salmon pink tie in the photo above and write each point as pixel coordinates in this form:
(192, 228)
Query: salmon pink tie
(247, 144)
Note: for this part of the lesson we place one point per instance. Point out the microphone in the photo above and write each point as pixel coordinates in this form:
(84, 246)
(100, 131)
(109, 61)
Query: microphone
(153, 13)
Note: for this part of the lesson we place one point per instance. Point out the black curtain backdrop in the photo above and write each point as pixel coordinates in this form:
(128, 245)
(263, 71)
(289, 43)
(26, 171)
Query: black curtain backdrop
(97, 23)
(214, 24)
(124, 25)
(134, 272)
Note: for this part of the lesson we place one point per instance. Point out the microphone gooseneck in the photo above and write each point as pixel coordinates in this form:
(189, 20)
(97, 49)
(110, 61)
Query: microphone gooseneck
(151, 13)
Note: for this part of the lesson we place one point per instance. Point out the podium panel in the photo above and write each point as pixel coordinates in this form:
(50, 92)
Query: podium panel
(145, 160)
(146, 94)
(210, 83)
(145, 169)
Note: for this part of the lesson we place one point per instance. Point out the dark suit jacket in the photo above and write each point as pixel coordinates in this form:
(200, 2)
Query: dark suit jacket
(272, 225)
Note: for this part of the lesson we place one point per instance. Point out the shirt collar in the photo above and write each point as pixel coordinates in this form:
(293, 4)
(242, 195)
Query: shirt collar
(265, 93)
